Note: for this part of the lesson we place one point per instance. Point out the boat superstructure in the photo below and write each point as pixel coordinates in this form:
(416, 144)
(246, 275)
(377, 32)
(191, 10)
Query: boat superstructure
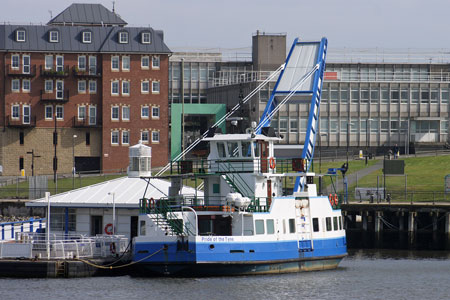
(257, 213)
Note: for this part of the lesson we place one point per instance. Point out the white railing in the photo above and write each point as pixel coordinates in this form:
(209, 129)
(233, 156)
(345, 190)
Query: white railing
(62, 246)
(222, 78)
(386, 76)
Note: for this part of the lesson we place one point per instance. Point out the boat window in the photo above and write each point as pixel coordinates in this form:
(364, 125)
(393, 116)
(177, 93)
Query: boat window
(340, 222)
(246, 151)
(259, 226)
(328, 221)
(335, 223)
(142, 228)
(233, 149)
(270, 226)
(284, 226)
(315, 224)
(221, 149)
(256, 149)
(292, 225)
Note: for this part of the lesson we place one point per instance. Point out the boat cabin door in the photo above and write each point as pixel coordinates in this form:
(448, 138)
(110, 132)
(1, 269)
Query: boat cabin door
(264, 150)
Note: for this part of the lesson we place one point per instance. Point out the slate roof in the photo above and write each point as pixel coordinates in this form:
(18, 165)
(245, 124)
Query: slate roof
(104, 39)
(87, 14)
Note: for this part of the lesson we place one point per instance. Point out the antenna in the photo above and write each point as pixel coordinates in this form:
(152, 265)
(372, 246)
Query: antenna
(51, 14)
(114, 3)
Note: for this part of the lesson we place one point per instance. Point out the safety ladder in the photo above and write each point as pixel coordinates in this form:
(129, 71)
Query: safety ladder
(304, 230)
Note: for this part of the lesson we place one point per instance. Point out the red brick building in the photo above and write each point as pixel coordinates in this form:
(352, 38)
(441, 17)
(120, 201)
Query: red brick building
(101, 86)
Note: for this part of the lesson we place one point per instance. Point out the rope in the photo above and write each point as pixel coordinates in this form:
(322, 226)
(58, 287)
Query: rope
(110, 267)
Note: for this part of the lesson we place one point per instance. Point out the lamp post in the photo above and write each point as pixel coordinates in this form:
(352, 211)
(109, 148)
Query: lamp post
(114, 211)
(33, 156)
(73, 160)
(320, 160)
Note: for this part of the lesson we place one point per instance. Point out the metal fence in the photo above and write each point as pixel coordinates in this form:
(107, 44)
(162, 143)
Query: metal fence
(62, 246)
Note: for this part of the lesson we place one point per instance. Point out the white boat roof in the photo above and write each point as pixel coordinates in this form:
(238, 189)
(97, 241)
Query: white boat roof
(240, 137)
(127, 192)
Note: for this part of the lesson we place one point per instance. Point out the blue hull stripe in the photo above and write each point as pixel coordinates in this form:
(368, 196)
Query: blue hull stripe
(237, 252)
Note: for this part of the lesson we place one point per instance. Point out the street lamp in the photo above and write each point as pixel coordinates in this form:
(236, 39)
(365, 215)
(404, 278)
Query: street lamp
(320, 161)
(73, 160)
(114, 211)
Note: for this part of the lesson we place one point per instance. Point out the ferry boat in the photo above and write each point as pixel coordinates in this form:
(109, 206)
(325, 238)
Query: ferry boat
(256, 214)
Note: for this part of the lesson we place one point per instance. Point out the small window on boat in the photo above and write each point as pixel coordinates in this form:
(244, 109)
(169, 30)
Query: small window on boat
(221, 149)
(315, 224)
(259, 226)
(256, 148)
(142, 228)
(292, 225)
(340, 223)
(328, 221)
(233, 149)
(216, 188)
(270, 226)
(246, 151)
(284, 226)
(335, 223)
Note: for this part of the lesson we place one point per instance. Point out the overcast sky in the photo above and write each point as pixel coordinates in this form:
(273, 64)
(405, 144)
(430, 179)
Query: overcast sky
(231, 23)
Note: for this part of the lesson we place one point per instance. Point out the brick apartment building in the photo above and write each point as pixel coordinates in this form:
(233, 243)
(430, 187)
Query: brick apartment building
(101, 86)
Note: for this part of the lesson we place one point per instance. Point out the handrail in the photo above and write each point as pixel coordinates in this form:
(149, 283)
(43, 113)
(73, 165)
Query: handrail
(244, 186)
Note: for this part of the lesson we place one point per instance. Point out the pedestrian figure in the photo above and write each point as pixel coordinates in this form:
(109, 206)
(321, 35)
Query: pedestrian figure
(396, 151)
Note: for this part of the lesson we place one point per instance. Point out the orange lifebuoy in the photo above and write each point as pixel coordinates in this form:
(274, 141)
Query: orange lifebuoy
(151, 203)
(330, 198)
(272, 163)
(109, 229)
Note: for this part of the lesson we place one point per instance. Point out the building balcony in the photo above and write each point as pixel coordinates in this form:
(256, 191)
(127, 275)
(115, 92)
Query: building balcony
(87, 122)
(91, 72)
(22, 121)
(55, 96)
(21, 72)
(55, 72)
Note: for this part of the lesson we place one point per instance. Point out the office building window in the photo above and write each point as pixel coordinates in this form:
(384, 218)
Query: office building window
(115, 113)
(293, 125)
(125, 87)
(125, 137)
(444, 95)
(115, 63)
(145, 62)
(144, 137)
(145, 112)
(155, 112)
(82, 62)
(155, 87)
(115, 87)
(49, 112)
(125, 63)
(155, 136)
(115, 137)
(145, 87)
(125, 113)
(59, 112)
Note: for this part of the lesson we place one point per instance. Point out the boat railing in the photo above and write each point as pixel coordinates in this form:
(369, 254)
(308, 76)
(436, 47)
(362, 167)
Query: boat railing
(152, 206)
(237, 165)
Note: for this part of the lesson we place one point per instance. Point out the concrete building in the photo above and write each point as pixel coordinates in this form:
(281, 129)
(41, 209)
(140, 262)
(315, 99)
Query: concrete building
(370, 100)
(80, 90)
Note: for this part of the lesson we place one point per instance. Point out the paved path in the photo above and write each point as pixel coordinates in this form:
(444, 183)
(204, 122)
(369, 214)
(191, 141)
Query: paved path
(351, 178)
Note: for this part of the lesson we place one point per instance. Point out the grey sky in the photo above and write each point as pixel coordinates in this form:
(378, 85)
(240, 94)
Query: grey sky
(230, 23)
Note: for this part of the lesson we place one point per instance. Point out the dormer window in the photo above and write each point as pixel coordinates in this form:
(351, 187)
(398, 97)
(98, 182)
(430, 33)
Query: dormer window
(146, 38)
(20, 35)
(87, 37)
(53, 36)
(123, 37)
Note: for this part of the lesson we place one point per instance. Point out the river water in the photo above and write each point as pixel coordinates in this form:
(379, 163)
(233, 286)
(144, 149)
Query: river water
(364, 274)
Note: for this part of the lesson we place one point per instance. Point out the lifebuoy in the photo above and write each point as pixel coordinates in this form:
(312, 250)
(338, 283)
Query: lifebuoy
(336, 201)
(151, 203)
(272, 164)
(330, 198)
(109, 229)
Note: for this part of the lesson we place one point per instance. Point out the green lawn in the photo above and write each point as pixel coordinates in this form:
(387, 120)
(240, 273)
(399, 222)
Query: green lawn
(20, 190)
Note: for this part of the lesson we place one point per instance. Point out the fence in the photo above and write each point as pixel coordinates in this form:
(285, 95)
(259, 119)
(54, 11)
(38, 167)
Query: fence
(62, 246)
(10, 229)
(20, 187)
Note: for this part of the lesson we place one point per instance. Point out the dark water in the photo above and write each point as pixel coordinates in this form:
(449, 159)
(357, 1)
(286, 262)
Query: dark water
(364, 274)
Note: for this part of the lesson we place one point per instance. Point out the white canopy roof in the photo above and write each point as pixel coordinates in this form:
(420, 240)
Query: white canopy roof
(127, 192)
